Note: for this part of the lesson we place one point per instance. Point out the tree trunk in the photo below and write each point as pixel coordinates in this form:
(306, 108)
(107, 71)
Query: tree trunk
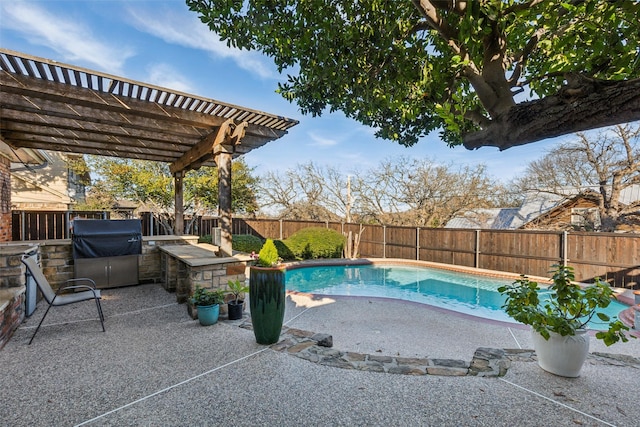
(590, 104)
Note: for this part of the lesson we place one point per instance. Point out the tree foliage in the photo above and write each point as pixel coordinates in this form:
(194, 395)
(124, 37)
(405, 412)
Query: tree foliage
(307, 191)
(407, 68)
(151, 185)
(599, 166)
(421, 192)
(399, 191)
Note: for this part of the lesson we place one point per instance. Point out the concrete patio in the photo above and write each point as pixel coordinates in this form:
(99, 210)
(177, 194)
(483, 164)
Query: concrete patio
(154, 366)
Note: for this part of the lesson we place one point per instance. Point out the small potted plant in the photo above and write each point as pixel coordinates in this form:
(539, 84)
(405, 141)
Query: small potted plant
(267, 290)
(559, 322)
(236, 305)
(207, 302)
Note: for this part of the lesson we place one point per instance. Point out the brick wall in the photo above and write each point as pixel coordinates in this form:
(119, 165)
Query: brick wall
(12, 289)
(56, 260)
(5, 200)
(11, 312)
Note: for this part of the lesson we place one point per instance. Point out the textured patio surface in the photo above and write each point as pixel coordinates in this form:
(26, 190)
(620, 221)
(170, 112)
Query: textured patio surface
(154, 366)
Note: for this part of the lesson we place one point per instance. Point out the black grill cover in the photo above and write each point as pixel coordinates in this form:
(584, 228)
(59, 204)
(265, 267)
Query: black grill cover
(94, 238)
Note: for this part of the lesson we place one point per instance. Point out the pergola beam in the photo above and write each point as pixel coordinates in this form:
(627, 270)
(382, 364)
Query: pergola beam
(227, 134)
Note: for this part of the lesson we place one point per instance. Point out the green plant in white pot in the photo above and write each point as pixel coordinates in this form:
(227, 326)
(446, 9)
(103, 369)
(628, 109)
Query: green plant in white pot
(559, 323)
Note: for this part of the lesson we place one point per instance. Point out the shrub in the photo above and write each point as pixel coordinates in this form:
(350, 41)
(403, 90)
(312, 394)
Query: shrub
(268, 256)
(283, 251)
(246, 243)
(205, 239)
(316, 242)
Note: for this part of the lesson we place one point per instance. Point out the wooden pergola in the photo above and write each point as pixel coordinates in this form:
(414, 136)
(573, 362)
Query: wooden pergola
(48, 105)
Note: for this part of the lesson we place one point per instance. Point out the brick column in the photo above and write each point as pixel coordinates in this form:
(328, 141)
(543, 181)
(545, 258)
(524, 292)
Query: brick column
(5, 200)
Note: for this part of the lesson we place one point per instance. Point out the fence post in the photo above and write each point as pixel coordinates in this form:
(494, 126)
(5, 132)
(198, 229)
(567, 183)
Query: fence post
(384, 241)
(563, 242)
(23, 227)
(477, 254)
(67, 225)
(281, 229)
(417, 243)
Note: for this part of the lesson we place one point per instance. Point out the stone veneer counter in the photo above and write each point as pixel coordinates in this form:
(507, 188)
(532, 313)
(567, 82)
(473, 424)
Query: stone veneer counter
(186, 266)
(201, 254)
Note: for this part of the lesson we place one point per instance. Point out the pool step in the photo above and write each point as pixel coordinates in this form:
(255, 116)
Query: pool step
(626, 317)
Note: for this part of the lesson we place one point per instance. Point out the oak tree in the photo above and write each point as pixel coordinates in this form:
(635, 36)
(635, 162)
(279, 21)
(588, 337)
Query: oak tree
(420, 192)
(407, 67)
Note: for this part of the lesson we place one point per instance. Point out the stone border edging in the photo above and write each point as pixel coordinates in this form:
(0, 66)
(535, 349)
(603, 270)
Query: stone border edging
(317, 348)
(486, 362)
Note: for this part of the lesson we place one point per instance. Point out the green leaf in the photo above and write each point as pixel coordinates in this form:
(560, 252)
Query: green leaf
(344, 55)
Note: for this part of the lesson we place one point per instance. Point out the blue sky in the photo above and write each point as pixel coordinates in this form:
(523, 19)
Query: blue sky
(163, 43)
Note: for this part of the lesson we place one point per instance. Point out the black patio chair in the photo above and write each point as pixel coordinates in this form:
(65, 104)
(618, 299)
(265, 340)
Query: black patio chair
(60, 298)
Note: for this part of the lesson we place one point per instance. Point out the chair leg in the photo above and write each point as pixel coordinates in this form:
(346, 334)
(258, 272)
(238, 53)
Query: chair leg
(100, 313)
(38, 328)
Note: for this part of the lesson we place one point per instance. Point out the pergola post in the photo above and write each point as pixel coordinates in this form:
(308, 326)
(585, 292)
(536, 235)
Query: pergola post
(179, 204)
(223, 155)
(222, 145)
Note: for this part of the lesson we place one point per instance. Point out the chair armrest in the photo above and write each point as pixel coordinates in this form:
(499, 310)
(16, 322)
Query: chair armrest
(90, 287)
(92, 283)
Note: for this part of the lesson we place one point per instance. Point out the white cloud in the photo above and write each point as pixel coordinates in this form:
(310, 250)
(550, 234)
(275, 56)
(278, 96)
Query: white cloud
(187, 30)
(74, 41)
(319, 141)
(166, 76)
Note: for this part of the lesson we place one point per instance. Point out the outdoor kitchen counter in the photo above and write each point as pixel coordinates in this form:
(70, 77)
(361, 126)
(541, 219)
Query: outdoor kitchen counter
(185, 266)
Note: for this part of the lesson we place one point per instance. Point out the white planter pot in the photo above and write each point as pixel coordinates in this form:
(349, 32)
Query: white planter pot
(560, 355)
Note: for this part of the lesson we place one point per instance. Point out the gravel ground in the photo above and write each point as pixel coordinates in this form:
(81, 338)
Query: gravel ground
(156, 367)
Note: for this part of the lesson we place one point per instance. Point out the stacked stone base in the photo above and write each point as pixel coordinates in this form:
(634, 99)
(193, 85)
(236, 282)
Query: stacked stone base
(316, 348)
(11, 312)
(486, 362)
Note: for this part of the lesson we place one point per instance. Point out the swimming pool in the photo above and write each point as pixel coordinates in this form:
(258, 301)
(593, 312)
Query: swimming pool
(465, 293)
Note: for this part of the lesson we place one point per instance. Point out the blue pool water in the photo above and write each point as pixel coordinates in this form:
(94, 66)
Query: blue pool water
(461, 292)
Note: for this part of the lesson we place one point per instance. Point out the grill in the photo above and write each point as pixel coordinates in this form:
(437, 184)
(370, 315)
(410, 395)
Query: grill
(107, 251)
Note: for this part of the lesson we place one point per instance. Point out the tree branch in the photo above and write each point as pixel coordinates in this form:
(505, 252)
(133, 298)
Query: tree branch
(568, 112)
(435, 21)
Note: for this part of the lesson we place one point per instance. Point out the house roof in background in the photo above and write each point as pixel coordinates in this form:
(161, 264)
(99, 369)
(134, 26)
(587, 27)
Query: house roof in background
(496, 218)
(24, 156)
(630, 195)
(54, 106)
(535, 204)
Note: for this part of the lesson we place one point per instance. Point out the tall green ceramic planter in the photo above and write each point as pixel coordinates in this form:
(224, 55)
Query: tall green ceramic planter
(266, 302)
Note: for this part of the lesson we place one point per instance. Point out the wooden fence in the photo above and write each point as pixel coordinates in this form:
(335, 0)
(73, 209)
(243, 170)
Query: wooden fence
(47, 225)
(611, 256)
